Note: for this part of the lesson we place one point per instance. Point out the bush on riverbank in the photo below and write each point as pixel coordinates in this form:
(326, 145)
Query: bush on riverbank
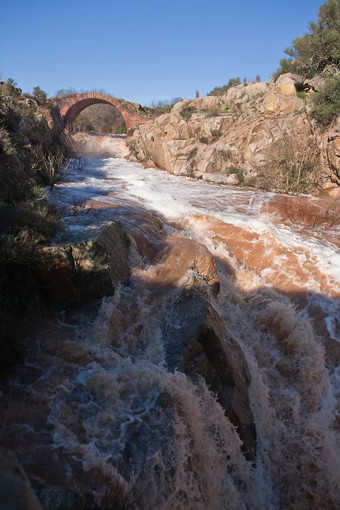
(29, 158)
(24, 227)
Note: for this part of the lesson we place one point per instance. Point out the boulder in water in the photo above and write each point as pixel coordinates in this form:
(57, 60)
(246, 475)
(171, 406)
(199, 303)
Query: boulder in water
(81, 272)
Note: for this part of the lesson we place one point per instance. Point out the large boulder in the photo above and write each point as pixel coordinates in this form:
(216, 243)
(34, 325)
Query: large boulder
(81, 272)
(181, 281)
(198, 344)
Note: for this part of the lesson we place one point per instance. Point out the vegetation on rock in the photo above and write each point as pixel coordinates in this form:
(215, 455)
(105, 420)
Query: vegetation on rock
(319, 48)
(219, 91)
(165, 106)
(318, 52)
(187, 111)
(327, 101)
(29, 152)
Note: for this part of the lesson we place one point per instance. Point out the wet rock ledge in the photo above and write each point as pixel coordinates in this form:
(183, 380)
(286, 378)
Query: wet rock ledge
(81, 272)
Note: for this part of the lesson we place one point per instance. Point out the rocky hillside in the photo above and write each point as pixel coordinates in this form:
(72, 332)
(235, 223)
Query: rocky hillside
(261, 134)
(30, 137)
(31, 152)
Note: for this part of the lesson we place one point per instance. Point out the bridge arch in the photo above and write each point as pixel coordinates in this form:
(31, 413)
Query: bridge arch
(70, 106)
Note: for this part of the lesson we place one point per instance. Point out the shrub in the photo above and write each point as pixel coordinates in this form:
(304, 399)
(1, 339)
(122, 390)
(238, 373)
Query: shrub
(37, 216)
(26, 219)
(23, 228)
(301, 94)
(192, 153)
(187, 111)
(6, 142)
(327, 101)
(236, 171)
(293, 170)
(220, 91)
(213, 112)
(20, 296)
(166, 105)
(9, 88)
(40, 96)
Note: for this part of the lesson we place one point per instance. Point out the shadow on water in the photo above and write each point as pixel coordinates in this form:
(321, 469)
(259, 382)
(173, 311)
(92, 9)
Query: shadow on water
(176, 392)
(100, 405)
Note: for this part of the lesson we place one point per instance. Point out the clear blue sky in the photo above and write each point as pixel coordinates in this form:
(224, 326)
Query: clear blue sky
(145, 50)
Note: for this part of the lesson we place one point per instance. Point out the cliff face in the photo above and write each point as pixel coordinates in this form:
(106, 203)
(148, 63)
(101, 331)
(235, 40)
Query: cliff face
(253, 134)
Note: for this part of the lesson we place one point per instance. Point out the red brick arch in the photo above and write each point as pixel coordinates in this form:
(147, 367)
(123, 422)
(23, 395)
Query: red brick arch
(70, 107)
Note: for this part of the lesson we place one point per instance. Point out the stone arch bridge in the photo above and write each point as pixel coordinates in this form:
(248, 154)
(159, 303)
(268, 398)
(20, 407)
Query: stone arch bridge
(133, 113)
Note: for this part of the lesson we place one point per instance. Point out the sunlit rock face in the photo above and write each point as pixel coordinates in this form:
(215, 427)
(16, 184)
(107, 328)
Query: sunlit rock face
(252, 128)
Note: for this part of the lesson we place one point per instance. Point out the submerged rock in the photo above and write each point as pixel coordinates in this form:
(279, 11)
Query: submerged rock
(182, 281)
(198, 344)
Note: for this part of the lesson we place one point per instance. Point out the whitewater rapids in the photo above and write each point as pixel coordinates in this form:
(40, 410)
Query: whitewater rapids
(97, 407)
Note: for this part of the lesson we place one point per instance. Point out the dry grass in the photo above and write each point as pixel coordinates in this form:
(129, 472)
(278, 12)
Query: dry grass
(323, 212)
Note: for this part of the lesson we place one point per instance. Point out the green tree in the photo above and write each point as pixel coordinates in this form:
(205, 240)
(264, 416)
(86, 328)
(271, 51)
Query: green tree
(9, 88)
(319, 47)
(40, 95)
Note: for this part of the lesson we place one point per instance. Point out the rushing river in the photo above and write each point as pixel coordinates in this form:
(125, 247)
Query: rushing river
(113, 403)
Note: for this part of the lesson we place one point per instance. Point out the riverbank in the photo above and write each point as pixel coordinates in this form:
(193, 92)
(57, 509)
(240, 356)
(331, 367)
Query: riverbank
(260, 134)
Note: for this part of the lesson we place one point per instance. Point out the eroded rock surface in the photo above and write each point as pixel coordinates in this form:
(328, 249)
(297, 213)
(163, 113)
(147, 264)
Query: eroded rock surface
(235, 136)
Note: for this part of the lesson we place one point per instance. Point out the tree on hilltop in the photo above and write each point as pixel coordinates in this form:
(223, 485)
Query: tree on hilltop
(40, 95)
(318, 48)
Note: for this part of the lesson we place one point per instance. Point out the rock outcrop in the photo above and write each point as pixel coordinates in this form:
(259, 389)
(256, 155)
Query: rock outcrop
(78, 273)
(30, 133)
(251, 130)
(330, 155)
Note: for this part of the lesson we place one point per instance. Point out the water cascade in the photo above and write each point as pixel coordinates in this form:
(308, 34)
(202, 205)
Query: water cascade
(210, 379)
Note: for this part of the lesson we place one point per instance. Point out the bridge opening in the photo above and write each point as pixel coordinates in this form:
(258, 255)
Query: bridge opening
(101, 118)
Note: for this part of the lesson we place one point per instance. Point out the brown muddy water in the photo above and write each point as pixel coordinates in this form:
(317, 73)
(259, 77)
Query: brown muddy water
(210, 380)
